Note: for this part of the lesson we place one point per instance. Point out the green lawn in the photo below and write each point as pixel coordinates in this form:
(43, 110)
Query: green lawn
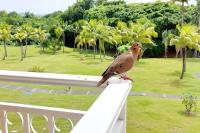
(150, 75)
(145, 115)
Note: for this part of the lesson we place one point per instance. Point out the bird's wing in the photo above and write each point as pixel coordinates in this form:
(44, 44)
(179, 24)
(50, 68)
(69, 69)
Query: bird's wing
(118, 64)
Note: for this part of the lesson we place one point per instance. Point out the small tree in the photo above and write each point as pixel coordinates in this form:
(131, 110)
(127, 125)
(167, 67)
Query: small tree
(188, 38)
(58, 32)
(29, 31)
(20, 35)
(190, 104)
(41, 36)
(5, 35)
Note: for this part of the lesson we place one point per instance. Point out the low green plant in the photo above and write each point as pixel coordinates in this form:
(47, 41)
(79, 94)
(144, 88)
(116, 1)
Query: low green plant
(36, 69)
(190, 103)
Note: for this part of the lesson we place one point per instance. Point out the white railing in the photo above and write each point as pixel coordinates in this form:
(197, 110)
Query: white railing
(25, 112)
(106, 115)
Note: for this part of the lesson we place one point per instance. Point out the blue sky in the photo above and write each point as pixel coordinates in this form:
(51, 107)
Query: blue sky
(43, 6)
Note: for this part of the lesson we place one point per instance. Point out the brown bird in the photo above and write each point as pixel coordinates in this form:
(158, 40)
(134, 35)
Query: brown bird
(122, 64)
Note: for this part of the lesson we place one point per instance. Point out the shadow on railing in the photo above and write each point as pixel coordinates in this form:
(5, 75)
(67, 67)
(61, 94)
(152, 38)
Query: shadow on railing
(106, 115)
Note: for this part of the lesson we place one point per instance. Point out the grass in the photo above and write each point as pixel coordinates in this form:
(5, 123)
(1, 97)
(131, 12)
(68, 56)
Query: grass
(150, 75)
(145, 114)
(156, 115)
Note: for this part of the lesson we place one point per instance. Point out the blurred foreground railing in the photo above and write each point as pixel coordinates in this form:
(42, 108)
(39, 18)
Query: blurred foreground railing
(106, 115)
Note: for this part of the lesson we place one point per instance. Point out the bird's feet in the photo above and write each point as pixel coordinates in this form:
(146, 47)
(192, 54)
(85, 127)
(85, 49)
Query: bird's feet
(126, 78)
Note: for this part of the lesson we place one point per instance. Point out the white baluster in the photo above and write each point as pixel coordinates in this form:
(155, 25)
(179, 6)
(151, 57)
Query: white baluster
(32, 128)
(3, 121)
(26, 123)
(51, 124)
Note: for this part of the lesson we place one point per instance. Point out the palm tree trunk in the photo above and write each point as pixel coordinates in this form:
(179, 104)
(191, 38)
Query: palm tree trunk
(182, 13)
(177, 52)
(40, 48)
(5, 51)
(86, 49)
(74, 43)
(63, 42)
(25, 49)
(63, 47)
(165, 51)
(100, 55)
(195, 53)
(94, 51)
(22, 53)
(81, 49)
(184, 63)
(104, 53)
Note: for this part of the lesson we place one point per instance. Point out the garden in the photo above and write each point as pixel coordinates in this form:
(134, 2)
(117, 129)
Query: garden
(87, 37)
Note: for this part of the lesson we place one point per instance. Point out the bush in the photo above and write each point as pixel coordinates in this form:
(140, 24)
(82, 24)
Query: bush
(36, 69)
(190, 103)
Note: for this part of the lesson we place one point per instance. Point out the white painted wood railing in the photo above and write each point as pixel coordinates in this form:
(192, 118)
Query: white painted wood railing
(106, 115)
(25, 112)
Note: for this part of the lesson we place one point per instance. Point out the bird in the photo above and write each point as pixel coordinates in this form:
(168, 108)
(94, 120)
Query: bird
(122, 64)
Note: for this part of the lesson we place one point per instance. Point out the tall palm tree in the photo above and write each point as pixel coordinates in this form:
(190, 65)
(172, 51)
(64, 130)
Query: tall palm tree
(41, 35)
(166, 36)
(29, 31)
(59, 32)
(20, 35)
(189, 37)
(5, 35)
(81, 39)
(99, 32)
(197, 21)
(142, 32)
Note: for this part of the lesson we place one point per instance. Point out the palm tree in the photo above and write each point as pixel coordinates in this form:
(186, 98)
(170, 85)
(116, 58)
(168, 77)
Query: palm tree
(189, 37)
(197, 21)
(59, 32)
(96, 30)
(124, 31)
(166, 36)
(63, 27)
(29, 31)
(41, 35)
(5, 35)
(142, 32)
(20, 35)
(81, 39)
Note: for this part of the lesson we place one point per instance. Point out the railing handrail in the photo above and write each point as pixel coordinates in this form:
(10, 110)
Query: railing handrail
(50, 78)
(106, 110)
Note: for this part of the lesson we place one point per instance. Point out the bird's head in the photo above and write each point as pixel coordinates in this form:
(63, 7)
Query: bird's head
(135, 48)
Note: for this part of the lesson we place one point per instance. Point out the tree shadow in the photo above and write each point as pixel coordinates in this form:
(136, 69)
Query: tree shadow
(192, 115)
(193, 60)
(179, 84)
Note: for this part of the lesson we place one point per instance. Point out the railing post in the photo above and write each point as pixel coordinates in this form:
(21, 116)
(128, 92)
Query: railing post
(3, 121)
(122, 117)
(26, 123)
(51, 124)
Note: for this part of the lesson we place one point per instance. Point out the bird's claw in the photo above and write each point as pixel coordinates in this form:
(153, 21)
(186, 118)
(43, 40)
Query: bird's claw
(126, 78)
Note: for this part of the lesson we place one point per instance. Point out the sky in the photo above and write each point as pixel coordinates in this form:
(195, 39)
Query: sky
(40, 7)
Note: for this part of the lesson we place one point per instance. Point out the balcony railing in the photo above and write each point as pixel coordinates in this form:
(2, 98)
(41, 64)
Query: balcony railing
(106, 115)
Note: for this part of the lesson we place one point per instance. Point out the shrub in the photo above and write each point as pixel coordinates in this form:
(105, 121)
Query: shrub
(190, 103)
(36, 69)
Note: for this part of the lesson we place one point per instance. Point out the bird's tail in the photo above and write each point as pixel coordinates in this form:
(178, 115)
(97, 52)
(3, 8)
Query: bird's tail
(104, 79)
